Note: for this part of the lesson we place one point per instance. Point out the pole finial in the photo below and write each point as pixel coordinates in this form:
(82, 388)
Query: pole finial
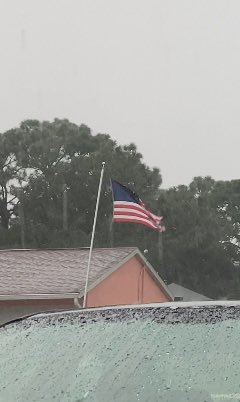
(103, 164)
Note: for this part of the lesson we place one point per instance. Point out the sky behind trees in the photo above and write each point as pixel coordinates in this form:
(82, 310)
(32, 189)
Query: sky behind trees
(161, 74)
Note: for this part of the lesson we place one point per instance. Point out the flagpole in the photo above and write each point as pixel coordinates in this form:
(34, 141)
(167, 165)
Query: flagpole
(93, 234)
(111, 221)
(160, 246)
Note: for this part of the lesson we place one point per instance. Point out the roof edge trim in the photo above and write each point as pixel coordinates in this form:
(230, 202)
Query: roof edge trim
(111, 271)
(38, 296)
(155, 276)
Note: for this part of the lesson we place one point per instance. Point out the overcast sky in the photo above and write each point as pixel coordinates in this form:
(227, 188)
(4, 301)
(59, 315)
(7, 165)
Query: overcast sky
(164, 74)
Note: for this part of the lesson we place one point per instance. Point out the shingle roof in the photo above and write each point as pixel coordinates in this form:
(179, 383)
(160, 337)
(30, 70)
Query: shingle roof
(55, 271)
(186, 294)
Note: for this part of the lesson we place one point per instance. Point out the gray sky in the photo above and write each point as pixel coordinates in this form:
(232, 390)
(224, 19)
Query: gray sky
(164, 74)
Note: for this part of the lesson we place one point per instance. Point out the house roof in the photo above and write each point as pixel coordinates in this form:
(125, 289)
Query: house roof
(60, 272)
(186, 294)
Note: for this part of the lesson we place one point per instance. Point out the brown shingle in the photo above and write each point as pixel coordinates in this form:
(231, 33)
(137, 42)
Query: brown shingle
(55, 271)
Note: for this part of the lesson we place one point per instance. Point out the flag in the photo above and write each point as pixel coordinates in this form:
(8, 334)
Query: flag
(127, 207)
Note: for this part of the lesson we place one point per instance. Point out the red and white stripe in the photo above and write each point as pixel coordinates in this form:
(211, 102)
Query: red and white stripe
(124, 211)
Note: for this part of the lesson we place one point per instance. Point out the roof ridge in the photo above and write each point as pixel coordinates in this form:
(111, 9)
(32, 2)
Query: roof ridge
(67, 248)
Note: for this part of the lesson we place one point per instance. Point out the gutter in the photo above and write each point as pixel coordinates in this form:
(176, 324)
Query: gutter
(39, 296)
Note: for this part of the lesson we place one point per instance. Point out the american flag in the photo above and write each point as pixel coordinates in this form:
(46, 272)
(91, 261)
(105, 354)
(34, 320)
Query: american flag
(127, 207)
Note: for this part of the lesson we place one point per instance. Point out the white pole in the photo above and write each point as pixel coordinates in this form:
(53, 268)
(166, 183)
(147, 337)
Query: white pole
(93, 234)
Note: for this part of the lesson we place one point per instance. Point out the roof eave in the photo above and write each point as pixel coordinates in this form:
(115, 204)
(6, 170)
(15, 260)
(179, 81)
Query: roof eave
(111, 271)
(38, 296)
(153, 273)
(155, 276)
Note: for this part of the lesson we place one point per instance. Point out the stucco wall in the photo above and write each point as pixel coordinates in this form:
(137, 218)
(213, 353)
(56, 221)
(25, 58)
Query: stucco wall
(130, 284)
(10, 310)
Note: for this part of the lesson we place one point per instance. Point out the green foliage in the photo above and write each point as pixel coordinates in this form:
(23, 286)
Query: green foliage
(200, 247)
(59, 154)
(201, 239)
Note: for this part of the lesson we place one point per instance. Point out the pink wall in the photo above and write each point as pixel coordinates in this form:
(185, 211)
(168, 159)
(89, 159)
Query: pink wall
(130, 284)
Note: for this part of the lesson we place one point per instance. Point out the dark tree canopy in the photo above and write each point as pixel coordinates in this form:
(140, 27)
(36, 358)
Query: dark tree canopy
(53, 168)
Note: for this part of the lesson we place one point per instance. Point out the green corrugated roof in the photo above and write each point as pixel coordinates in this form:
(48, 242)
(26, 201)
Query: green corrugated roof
(132, 360)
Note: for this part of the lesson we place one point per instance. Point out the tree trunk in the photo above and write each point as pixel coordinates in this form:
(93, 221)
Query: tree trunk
(4, 217)
(4, 213)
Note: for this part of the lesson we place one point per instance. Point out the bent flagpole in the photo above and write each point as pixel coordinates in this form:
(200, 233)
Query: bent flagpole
(93, 234)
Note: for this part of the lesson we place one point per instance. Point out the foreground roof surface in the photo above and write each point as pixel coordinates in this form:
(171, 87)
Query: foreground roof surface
(174, 353)
(54, 271)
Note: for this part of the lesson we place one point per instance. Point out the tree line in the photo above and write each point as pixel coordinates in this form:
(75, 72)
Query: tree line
(49, 173)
